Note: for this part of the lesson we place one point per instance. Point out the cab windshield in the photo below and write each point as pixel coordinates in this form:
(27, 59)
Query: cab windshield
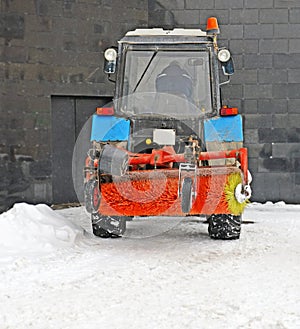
(167, 82)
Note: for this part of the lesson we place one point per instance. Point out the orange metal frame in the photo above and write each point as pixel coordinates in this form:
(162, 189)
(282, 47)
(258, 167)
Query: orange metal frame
(163, 156)
(167, 155)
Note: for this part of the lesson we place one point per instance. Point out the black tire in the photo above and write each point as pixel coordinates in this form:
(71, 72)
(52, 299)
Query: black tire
(224, 227)
(108, 226)
(186, 195)
(92, 196)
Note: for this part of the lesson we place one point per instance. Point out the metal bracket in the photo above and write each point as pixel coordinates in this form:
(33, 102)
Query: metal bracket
(187, 167)
(224, 82)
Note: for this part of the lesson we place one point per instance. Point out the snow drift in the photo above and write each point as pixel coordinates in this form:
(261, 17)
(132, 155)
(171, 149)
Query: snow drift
(35, 228)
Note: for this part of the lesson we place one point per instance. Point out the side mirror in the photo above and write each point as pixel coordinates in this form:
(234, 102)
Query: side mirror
(228, 67)
(226, 61)
(110, 60)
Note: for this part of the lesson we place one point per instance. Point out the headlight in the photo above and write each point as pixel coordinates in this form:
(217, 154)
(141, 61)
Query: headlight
(110, 54)
(224, 55)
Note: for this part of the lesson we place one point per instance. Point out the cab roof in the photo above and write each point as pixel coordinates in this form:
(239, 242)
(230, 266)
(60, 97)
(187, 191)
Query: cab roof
(162, 32)
(161, 36)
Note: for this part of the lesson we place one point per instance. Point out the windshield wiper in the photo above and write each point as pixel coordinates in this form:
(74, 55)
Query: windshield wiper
(142, 76)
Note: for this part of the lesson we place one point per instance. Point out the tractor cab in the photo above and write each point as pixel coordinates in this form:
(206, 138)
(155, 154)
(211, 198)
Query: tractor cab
(158, 70)
(167, 121)
(168, 79)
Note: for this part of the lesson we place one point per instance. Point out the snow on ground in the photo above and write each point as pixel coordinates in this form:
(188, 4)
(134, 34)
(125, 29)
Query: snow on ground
(34, 229)
(54, 275)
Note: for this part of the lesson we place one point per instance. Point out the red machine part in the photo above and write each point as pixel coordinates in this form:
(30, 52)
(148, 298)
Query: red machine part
(163, 156)
(150, 192)
(90, 168)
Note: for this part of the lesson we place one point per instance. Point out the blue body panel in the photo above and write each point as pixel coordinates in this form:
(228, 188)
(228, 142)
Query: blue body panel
(109, 128)
(224, 129)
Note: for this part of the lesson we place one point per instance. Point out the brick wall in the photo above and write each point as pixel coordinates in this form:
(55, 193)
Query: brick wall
(49, 47)
(53, 47)
(264, 38)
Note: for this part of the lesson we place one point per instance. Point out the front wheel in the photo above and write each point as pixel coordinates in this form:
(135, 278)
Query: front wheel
(224, 226)
(108, 226)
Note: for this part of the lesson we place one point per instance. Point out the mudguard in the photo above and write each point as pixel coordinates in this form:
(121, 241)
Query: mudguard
(224, 129)
(109, 128)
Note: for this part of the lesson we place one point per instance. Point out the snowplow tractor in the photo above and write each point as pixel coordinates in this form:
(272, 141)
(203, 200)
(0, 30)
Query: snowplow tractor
(167, 145)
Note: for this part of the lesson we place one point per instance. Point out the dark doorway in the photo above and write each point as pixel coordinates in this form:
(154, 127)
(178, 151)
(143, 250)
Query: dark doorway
(69, 115)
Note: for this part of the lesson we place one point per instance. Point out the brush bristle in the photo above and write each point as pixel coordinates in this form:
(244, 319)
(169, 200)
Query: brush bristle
(233, 205)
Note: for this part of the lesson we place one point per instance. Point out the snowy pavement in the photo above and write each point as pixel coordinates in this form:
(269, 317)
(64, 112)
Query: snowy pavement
(55, 275)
